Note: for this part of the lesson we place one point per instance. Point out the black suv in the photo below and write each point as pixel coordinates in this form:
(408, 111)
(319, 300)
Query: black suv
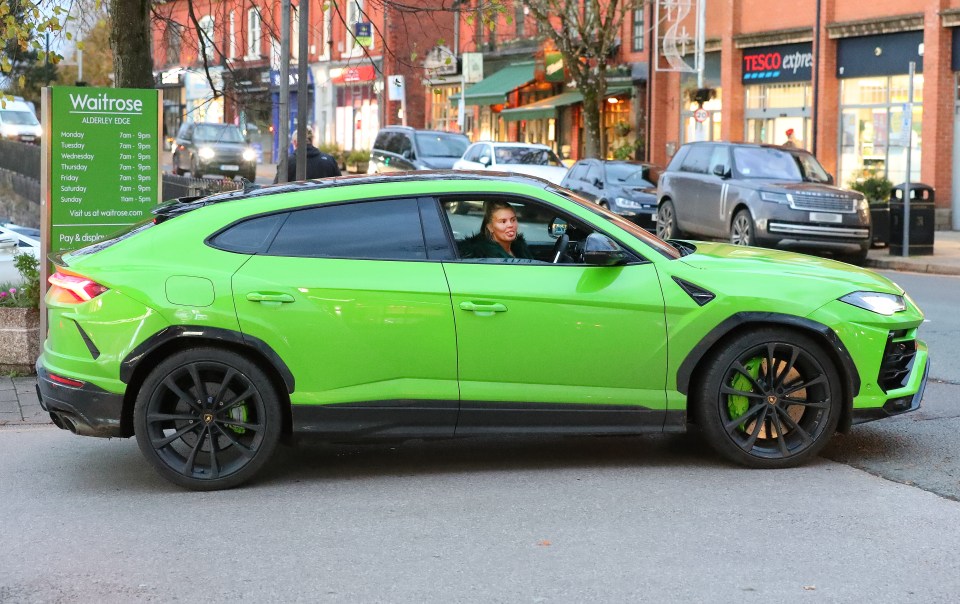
(213, 149)
(401, 148)
(764, 195)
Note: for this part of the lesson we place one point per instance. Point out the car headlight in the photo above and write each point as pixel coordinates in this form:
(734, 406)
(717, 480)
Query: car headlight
(880, 303)
(8, 131)
(205, 152)
(623, 202)
(775, 197)
(249, 155)
(863, 205)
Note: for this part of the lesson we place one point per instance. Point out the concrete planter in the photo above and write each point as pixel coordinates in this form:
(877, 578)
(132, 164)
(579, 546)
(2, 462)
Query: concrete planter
(19, 339)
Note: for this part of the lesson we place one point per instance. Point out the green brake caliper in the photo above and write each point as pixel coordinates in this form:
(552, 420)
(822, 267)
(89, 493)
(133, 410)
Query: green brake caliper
(239, 414)
(738, 404)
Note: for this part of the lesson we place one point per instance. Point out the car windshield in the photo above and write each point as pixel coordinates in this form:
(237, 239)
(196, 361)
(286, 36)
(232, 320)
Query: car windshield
(441, 145)
(534, 156)
(777, 164)
(631, 174)
(218, 134)
(19, 118)
(639, 232)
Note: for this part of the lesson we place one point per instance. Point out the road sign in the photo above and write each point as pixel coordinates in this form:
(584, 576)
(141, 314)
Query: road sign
(701, 115)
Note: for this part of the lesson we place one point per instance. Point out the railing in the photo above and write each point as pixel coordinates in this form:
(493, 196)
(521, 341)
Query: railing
(182, 186)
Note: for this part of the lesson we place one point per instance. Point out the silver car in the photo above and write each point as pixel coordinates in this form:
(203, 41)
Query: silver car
(762, 195)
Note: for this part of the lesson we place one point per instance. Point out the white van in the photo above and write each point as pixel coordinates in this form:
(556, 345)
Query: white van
(19, 122)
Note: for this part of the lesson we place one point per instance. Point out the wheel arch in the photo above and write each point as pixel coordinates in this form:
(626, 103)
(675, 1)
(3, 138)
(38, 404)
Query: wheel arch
(740, 205)
(719, 336)
(137, 365)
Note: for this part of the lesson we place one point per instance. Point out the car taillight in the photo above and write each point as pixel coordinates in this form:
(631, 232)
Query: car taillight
(79, 287)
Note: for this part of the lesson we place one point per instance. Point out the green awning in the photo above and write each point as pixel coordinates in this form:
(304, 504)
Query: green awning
(493, 90)
(547, 108)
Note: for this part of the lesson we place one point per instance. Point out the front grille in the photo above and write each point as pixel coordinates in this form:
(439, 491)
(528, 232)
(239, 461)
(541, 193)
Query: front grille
(897, 361)
(823, 203)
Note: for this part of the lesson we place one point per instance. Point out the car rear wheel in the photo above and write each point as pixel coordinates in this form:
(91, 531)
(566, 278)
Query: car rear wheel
(742, 230)
(207, 419)
(667, 222)
(768, 399)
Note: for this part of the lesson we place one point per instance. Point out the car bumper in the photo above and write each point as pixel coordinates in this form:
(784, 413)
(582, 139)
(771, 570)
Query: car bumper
(86, 410)
(896, 405)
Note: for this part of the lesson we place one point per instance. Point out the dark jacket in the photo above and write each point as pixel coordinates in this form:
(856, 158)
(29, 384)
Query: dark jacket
(319, 165)
(481, 246)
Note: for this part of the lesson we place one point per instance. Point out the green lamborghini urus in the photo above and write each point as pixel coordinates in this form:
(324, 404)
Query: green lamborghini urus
(449, 304)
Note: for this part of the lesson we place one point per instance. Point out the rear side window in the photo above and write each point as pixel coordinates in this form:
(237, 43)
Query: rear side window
(376, 230)
(577, 172)
(250, 236)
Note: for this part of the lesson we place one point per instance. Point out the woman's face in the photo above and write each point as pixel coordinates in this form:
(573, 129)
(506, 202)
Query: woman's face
(503, 226)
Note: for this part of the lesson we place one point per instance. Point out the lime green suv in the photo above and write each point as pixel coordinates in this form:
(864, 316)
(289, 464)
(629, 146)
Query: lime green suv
(365, 308)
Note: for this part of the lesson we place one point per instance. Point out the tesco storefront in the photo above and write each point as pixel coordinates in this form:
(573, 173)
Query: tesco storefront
(778, 93)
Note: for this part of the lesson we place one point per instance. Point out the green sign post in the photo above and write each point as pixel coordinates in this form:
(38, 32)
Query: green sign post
(103, 150)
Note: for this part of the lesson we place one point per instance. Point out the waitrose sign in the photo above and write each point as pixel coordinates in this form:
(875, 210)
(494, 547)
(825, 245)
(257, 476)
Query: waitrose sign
(103, 149)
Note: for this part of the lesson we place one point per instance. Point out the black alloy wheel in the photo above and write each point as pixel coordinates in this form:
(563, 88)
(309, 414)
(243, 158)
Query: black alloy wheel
(667, 222)
(742, 229)
(768, 399)
(207, 419)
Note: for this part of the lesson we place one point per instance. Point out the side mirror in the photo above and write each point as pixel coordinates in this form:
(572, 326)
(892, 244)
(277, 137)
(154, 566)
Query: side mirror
(600, 250)
(829, 179)
(485, 161)
(408, 154)
(721, 171)
(598, 183)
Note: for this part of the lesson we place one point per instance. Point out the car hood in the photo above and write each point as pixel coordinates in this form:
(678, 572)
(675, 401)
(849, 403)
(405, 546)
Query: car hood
(811, 188)
(774, 266)
(554, 174)
(438, 163)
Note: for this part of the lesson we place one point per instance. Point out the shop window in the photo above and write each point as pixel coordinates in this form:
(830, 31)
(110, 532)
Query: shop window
(253, 33)
(638, 30)
(206, 33)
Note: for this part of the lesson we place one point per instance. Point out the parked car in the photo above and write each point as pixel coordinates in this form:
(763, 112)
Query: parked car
(760, 195)
(344, 309)
(627, 188)
(18, 121)
(203, 148)
(15, 239)
(522, 158)
(401, 148)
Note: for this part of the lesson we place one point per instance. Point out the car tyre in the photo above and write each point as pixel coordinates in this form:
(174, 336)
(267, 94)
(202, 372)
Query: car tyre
(742, 231)
(667, 227)
(768, 398)
(858, 258)
(207, 419)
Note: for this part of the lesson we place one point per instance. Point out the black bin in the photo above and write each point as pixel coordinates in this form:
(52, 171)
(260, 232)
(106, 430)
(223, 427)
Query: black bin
(922, 219)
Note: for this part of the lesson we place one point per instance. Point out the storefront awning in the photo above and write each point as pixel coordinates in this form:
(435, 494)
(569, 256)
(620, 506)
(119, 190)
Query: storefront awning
(493, 90)
(547, 108)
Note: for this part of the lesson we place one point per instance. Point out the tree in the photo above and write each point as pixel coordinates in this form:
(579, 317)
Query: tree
(586, 33)
(130, 40)
(24, 59)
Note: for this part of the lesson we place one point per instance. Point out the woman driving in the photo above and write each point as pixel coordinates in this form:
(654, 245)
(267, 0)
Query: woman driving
(499, 235)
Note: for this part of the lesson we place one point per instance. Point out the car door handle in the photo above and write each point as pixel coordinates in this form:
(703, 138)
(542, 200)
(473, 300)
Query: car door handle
(483, 309)
(269, 299)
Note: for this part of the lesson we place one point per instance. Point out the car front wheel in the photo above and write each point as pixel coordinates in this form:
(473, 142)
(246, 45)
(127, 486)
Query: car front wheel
(742, 230)
(207, 419)
(667, 222)
(768, 399)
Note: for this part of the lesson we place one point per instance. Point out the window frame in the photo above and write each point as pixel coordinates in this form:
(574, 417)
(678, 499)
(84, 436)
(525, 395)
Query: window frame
(254, 42)
(210, 50)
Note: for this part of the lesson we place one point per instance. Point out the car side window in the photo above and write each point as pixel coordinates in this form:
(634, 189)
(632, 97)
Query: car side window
(720, 158)
(538, 229)
(383, 141)
(697, 159)
(578, 171)
(250, 236)
(593, 174)
(472, 153)
(404, 146)
(392, 143)
(386, 229)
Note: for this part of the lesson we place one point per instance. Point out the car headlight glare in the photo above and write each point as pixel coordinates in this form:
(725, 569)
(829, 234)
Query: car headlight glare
(775, 197)
(863, 205)
(205, 152)
(8, 131)
(249, 155)
(880, 303)
(623, 202)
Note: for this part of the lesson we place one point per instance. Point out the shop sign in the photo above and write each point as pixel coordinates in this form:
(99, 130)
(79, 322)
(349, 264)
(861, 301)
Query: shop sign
(472, 67)
(553, 66)
(783, 63)
(363, 32)
(883, 55)
(104, 153)
(362, 73)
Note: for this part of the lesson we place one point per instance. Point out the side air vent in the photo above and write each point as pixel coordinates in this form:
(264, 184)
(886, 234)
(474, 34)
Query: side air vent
(699, 295)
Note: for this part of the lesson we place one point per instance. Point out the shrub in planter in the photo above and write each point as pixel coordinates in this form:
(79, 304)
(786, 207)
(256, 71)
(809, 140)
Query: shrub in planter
(358, 160)
(20, 318)
(877, 189)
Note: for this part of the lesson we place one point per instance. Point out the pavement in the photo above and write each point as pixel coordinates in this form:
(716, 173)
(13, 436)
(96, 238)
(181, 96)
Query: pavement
(18, 398)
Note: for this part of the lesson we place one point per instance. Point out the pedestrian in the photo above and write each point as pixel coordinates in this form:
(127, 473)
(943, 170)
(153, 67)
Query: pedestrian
(791, 140)
(319, 164)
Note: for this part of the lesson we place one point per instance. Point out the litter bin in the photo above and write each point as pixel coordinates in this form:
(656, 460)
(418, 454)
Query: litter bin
(922, 219)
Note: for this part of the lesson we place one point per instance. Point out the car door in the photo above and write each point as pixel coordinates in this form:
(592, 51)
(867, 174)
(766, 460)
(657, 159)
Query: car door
(713, 193)
(556, 347)
(686, 185)
(348, 298)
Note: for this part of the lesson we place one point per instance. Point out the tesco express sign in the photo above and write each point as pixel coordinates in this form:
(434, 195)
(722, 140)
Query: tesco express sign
(786, 63)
